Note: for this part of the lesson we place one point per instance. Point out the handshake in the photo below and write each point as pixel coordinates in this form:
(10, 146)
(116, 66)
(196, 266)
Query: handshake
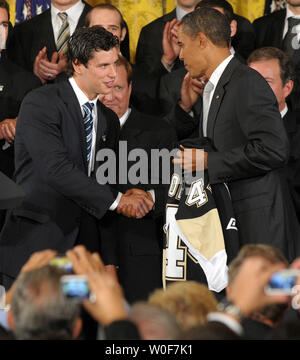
(135, 203)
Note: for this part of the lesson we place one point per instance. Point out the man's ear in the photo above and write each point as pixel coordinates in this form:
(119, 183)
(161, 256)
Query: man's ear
(287, 88)
(202, 40)
(123, 34)
(77, 66)
(233, 28)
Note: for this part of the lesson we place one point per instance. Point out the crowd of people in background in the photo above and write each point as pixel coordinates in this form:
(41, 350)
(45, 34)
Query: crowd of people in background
(182, 260)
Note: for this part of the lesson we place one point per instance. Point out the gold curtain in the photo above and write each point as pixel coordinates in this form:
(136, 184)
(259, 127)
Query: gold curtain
(251, 9)
(12, 10)
(137, 13)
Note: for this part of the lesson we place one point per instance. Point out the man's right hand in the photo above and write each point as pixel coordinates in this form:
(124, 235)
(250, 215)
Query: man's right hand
(135, 204)
(191, 89)
(169, 44)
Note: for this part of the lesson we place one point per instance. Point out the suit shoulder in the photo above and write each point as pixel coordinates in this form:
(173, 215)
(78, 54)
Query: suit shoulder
(270, 18)
(109, 114)
(31, 23)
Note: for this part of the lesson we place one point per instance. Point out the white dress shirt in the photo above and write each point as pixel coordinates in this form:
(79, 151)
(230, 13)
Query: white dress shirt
(284, 111)
(289, 13)
(82, 99)
(180, 13)
(73, 13)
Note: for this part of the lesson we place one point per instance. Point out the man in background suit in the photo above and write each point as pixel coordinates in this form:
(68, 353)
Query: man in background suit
(156, 58)
(278, 70)
(14, 84)
(112, 20)
(60, 129)
(34, 44)
(280, 29)
(139, 242)
(241, 119)
(150, 53)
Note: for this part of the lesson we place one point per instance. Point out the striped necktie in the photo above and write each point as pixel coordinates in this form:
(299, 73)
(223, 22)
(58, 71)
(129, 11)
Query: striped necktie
(63, 34)
(206, 104)
(88, 127)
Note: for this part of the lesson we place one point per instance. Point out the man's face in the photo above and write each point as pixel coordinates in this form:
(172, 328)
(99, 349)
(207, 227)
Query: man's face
(270, 70)
(118, 99)
(187, 4)
(3, 28)
(191, 54)
(63, 4)
(99, 74)
(110, 20)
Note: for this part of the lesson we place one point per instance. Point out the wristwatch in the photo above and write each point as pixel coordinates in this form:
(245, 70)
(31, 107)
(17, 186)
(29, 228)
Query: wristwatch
(230, 308)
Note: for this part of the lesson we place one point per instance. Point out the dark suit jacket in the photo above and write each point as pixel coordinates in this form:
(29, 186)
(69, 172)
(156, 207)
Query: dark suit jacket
(15, 83)
(246, 129)
(269, 32)
(291, 122)
(51, 167)
(140, 241)
(31, 36)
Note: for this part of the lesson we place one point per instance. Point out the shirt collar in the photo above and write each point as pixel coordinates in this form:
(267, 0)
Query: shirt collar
(215, 76)
(180, 13)
(72, 12)
(81, 97)
(124, 117)
(284, 111)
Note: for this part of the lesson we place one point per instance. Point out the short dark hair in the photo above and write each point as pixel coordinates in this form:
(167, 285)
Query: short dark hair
(107, 7)
(85, 41)
(123, 62)
(4, 5)
(210, 22)
(223, 4)
(286, 64)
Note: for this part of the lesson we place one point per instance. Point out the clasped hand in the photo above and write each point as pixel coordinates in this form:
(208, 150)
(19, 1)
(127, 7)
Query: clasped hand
(135, 203)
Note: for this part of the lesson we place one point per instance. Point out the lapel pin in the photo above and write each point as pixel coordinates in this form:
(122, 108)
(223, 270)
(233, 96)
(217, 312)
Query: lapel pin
(218, 97)
(1, 87)
(104, 138)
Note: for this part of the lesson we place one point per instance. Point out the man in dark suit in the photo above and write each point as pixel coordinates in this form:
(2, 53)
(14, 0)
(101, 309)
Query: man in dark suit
(242, 121)
(34, 45)
(278, 29)
(170, 84)
(60, 129)
(139, 241)
(278, 70)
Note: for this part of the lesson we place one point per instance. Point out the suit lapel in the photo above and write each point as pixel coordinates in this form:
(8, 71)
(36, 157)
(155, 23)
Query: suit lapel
(218, 96)
(101, 127)
(45, 33)
(70, 99)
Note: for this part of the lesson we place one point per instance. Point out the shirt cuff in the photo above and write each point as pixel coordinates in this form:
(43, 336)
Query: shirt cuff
(152, 192)
(116, 202)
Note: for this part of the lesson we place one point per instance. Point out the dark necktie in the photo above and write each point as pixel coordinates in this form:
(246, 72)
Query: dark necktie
(88, 127)
(290, 41)
(63, 34)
